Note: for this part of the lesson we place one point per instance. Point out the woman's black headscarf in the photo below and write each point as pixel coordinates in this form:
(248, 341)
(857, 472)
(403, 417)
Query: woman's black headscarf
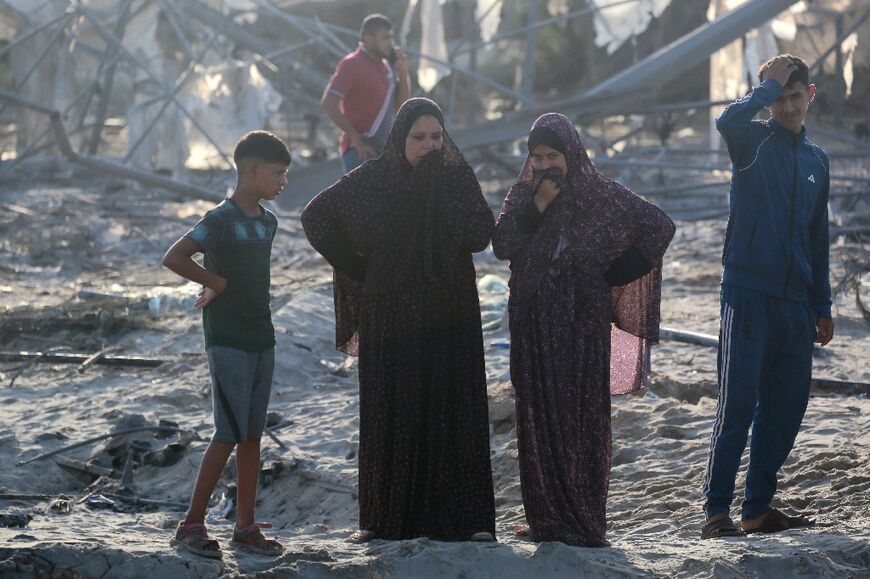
(417, 211)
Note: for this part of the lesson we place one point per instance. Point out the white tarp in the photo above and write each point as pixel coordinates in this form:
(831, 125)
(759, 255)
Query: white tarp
(164, 147)
(228, 101)
(432, 41)
(849, 47)
(488, 16)
(432, 44)
(618, 23)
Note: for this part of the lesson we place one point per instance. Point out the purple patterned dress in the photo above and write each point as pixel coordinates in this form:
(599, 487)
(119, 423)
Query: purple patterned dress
(584, 309)
(400, 241)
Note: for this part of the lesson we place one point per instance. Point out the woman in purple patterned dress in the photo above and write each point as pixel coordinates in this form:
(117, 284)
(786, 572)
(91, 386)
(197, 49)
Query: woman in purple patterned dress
(399, 232)
(585, 256)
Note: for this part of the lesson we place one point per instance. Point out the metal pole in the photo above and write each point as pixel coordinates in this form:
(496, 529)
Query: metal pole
(472, 100)
(840, 83)
(90, 92)
(458, 48)
(19, 100)
(329, 34)
(337, 51)
(20, 84)
(35, 146)
(531, 37)
(257, 58)
(545, 22)
(169, 10)
(30, 33)
(683, 188)
(114, 168)
(526, 100)
(840, 38)
(303, 74)
(451, 102)
(106, 92)
(670, 61)
(838, 135)
(287, 49)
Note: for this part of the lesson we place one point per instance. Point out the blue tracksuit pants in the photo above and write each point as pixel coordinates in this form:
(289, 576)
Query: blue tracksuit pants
(764, 364)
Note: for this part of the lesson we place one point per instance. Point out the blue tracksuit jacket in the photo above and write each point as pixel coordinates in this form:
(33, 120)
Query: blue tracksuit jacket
(777, 237)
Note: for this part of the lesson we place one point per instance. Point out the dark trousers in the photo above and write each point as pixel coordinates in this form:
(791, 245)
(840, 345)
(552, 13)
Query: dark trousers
(350, 160)
(764, 364)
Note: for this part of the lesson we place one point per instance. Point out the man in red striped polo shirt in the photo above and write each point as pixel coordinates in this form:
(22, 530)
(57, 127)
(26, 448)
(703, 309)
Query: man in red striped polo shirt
(363, 94)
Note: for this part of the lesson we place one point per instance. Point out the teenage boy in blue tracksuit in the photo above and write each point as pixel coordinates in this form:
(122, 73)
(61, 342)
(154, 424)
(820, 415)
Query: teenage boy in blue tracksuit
(776, 295)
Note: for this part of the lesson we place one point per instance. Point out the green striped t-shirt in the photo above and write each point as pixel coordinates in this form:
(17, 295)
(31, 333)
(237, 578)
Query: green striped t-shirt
(238, 247)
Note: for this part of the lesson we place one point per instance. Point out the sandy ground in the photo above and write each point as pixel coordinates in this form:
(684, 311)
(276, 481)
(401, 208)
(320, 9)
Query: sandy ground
(80, 268)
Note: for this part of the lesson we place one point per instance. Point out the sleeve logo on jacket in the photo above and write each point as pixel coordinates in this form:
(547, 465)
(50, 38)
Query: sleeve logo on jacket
(812, 179)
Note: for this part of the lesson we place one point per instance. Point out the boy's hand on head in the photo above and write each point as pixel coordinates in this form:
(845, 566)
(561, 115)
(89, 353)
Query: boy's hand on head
(207, 295)
(824, 331)
(780, 69)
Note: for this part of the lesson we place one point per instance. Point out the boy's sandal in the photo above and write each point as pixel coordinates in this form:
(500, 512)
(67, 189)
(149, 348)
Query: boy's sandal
(721, 528)
(194, 537)
(361, 536)
(777, 521)
(251, 539)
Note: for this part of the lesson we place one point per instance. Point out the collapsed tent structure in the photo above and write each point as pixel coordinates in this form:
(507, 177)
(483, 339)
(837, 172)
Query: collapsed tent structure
(117, 121)
(150, 88)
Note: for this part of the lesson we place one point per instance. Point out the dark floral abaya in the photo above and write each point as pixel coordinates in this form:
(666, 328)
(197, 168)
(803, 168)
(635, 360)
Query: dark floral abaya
(584, 308)
(400, 241)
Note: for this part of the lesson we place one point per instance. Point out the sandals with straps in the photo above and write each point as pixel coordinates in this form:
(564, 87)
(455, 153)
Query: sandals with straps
(194, 537)
(251, 539)
(721, 528)
(777, 521)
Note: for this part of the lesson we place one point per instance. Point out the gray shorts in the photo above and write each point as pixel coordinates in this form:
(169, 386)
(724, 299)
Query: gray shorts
(241, 385)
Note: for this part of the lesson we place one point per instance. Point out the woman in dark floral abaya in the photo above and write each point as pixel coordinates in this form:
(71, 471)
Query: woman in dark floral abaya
(399, 232)
(585, 256)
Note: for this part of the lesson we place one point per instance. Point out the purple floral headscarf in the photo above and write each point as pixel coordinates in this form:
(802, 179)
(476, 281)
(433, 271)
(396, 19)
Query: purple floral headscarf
(591, 204)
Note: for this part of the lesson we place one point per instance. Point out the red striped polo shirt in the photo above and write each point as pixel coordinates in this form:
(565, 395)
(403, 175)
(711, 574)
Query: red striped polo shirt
(362, 82)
